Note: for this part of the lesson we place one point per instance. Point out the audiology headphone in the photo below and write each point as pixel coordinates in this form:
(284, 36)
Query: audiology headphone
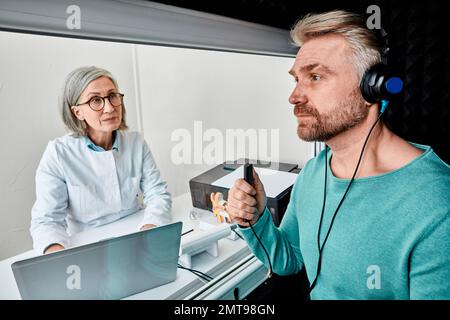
(377, 85)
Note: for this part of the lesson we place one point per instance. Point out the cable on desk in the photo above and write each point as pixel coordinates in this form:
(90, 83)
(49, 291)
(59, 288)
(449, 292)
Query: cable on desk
(237, 233)
(184, 233)
(199, 274)
(236, 293)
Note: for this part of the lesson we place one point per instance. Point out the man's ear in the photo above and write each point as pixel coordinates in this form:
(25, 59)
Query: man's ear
(77, 112)
(369, 105)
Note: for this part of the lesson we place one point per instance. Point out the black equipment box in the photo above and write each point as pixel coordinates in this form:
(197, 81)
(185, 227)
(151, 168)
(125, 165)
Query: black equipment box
(201, 186)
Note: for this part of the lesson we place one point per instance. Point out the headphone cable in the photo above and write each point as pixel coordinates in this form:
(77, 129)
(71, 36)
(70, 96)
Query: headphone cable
(319, 263)
(264, 248)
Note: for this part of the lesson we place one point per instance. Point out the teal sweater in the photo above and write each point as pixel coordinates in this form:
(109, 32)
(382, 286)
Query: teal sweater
(390, 238)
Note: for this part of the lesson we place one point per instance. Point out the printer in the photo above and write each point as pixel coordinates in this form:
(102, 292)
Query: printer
(203, 185)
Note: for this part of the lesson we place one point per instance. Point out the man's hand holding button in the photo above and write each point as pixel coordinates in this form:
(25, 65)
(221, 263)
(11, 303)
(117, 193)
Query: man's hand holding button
(246, 202)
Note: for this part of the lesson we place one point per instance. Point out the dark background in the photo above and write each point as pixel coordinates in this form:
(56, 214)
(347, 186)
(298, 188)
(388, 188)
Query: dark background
(419, 39)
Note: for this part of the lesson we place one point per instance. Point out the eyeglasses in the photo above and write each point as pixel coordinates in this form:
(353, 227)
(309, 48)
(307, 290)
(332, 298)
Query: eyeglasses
(97, 103)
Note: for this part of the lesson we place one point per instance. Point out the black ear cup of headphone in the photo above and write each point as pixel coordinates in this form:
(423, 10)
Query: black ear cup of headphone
(377, 84)
(372, 83)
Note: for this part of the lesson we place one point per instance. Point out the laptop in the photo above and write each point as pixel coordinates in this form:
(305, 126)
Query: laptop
(109, 269)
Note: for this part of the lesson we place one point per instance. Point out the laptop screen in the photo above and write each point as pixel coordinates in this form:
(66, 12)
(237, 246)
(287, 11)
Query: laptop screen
(108, 269)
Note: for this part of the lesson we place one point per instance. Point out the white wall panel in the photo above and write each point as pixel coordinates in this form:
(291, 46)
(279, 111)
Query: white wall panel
(222, 90)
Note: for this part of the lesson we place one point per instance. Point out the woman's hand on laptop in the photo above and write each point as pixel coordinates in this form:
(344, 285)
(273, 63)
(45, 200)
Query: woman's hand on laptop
(147, 226)
(54, 247)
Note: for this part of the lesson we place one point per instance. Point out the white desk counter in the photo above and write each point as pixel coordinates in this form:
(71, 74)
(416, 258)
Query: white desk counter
(235, 267)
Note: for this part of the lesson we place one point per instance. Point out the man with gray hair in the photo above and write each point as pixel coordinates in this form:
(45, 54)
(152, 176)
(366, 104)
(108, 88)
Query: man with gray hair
(376, 223)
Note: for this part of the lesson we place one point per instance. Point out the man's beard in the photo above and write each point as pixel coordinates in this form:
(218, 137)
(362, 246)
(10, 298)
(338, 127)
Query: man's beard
(342, 117)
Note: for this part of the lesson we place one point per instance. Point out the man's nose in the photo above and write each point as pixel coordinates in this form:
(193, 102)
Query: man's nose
(297, 96)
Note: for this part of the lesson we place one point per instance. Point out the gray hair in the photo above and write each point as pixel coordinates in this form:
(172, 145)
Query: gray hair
(364, 43)
(74, 85)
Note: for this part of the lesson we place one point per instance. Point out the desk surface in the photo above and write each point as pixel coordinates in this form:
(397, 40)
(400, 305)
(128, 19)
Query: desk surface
(233, 255)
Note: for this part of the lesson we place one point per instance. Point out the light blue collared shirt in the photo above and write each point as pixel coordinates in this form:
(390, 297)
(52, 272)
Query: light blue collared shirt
(91, 145)
(80, 186)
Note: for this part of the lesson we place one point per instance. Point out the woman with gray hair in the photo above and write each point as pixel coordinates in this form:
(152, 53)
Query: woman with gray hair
(98, 173)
